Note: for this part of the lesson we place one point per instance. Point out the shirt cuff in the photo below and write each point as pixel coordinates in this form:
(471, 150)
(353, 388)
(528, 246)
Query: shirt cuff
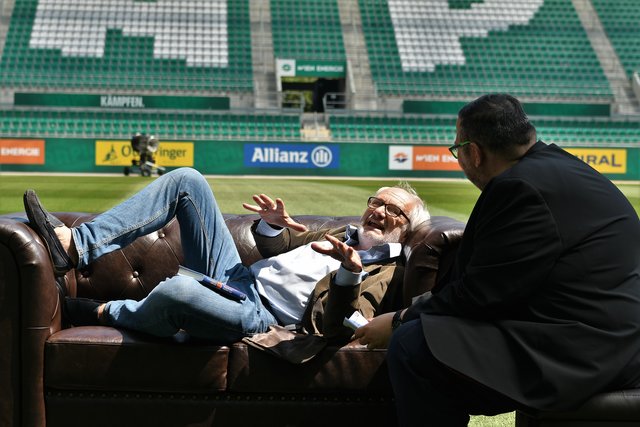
(345, 277)
(264, 229)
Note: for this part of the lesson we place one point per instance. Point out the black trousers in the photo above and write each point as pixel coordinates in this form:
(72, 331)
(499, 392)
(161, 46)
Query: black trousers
(428, 393)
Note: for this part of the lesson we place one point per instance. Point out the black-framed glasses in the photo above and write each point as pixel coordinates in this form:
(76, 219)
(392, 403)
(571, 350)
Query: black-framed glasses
(454, 148)
(391, 210)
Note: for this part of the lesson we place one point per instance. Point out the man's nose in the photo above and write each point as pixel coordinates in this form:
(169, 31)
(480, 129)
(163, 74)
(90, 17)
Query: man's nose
(381, 210)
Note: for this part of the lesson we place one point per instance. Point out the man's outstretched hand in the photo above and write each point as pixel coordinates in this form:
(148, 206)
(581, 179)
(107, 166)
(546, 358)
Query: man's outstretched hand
(339, 250)
(273, 212)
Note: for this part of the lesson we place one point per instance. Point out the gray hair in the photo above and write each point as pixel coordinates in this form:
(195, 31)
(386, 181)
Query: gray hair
(419, 213)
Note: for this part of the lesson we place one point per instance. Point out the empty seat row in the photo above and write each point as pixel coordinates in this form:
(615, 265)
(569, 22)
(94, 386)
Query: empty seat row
(438, 130)
(29, 123)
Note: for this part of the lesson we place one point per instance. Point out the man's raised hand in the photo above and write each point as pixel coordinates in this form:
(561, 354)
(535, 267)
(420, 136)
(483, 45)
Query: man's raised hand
(273, 212)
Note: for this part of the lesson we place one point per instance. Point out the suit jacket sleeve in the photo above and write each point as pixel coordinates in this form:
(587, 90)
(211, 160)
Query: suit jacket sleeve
(379, 292)
(289, 240)
(509, 247)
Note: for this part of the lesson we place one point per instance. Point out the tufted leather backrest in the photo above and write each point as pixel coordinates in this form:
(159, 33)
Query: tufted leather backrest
(133, 271)
(129, 273)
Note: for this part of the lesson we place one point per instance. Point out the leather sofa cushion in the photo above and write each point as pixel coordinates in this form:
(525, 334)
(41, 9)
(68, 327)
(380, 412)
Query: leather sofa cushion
(96, 358)
(352, 368)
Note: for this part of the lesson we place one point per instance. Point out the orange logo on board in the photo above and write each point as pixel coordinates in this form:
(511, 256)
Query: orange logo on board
(22, 151)
(434, 159)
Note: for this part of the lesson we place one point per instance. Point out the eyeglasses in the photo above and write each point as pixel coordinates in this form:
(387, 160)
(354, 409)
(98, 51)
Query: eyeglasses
(454, 148)
(391, 210)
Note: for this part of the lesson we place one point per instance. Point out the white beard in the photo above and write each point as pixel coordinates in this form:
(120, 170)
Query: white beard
(367, 240)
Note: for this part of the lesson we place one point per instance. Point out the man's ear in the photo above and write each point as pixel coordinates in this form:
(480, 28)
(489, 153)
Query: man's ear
(477, 155)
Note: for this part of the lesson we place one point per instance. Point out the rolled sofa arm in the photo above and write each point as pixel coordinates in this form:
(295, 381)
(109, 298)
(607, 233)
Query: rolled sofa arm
(29, 313)
(429, 252)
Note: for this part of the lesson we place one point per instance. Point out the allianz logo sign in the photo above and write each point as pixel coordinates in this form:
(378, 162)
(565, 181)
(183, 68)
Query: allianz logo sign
(291, 156)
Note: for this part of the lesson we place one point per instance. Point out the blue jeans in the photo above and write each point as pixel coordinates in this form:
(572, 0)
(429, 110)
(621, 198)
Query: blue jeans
(179, 302)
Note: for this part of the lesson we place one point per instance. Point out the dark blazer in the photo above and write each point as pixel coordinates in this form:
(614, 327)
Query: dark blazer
(543, 301)
(379, 292)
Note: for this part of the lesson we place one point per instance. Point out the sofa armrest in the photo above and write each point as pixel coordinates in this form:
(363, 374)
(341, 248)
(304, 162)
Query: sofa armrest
(29, 313)
(429, 253)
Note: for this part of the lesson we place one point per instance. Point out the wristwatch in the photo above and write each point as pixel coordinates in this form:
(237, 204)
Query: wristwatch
(396, 321)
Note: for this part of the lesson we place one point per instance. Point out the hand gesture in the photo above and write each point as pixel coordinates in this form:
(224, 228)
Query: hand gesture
(342, 252)
(273, 212)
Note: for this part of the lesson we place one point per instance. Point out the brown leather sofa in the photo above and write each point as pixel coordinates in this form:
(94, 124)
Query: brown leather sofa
(55, 375)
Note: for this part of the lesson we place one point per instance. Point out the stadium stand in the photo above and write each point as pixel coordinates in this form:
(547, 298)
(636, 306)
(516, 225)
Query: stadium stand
(433, 129)
(550, 56)
(620, 20)
(590, 132)
(307, 30)
(424, 129)
(169, 124)
(186, 46)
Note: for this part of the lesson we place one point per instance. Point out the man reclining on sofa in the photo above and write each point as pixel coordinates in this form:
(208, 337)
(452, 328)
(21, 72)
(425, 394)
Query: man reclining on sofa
(357, 264)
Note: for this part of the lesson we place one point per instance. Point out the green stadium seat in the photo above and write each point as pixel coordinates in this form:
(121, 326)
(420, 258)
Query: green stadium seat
(128, 60)
(307, 30)
(430, 129)
(620, 21)
(171, 125)
(523, 60)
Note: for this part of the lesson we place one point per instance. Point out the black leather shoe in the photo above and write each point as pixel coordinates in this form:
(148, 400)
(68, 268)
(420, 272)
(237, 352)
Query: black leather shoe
(43, 223)
(82, 311)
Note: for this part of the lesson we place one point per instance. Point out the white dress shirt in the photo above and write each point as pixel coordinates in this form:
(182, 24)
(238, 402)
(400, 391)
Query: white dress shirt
(287, 280)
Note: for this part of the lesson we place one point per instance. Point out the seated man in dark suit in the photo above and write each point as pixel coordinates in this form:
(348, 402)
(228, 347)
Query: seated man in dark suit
(542, 306)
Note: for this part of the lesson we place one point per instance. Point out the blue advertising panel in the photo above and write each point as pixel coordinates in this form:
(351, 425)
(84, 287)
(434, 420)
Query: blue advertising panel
(298, 156)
